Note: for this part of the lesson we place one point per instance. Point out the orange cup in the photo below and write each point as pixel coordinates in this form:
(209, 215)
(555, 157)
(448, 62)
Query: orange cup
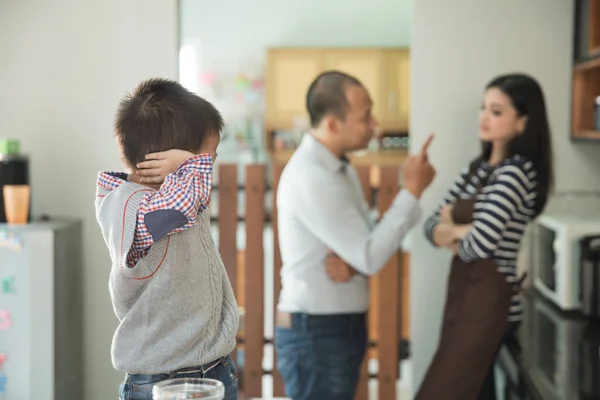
(16, 203)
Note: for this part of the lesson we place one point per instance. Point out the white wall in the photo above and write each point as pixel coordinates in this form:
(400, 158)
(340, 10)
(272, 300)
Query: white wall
(457, 47)
(65, 65)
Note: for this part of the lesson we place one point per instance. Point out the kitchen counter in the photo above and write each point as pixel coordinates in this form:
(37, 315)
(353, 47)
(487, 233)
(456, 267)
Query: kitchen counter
(555, 355)
(363, 157)
(374, 159)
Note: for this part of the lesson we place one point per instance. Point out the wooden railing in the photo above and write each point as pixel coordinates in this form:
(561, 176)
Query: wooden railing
(387, 313)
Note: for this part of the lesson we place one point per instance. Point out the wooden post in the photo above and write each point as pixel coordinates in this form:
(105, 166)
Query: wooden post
(254, 320)
(278, 386)
(362, 390)
(227, 220)
(388, 292)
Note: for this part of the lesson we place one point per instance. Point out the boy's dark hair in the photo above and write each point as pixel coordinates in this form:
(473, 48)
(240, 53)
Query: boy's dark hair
(327, 95)
(159, 115)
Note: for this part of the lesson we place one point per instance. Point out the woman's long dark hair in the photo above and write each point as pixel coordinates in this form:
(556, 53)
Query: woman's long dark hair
(535, 142)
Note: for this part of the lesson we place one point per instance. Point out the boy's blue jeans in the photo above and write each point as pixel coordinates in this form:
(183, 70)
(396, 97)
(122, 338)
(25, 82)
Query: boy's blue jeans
(139, 387)
(319, 356)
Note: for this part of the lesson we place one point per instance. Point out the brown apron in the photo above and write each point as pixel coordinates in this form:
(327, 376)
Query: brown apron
(474, 323)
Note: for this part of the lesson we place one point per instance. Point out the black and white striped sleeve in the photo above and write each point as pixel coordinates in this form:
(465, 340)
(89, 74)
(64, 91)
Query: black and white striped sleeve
(450, 198)
(507, 197)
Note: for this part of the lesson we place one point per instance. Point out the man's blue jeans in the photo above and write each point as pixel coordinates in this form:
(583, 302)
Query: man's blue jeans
(319, 356)
(139, 387)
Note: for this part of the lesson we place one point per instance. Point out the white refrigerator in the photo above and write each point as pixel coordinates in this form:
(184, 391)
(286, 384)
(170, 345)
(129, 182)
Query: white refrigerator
(41, 311)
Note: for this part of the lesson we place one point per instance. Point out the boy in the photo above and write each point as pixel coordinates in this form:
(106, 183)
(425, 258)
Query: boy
(177, 313)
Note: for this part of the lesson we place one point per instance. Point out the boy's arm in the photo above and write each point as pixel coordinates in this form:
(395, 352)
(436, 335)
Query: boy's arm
(174, 206)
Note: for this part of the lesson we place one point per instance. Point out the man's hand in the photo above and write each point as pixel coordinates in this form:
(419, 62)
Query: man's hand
(418, 172)
(338, 270)
(157, 166)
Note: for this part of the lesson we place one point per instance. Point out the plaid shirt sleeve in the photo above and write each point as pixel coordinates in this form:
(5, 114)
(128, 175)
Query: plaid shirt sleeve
(187, 190)
(110, 180)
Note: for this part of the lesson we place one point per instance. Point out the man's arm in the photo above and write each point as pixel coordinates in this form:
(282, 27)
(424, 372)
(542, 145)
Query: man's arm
(174, 207)
(325, 209)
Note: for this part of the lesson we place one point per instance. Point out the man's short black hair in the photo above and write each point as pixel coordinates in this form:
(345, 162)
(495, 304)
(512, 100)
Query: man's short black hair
(159, 115)
(327, 95)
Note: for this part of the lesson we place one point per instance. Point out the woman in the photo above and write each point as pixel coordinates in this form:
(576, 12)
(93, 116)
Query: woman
(482, 221)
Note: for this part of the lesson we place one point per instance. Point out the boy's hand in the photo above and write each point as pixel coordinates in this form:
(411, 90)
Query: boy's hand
(157, 166)
(337, 269)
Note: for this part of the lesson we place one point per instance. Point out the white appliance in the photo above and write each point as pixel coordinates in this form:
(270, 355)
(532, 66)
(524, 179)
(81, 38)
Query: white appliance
(557, 264)
(41, 314)
(554, 359)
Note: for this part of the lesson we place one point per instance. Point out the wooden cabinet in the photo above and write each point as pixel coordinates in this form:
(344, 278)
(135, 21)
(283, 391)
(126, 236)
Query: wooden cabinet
(289, 74)
(368, 66)
(586, 89)
(586, 71)
(397, 101)
(385, 72)
(594, 28)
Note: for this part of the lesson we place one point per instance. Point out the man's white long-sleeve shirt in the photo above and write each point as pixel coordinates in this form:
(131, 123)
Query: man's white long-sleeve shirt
(321, 206)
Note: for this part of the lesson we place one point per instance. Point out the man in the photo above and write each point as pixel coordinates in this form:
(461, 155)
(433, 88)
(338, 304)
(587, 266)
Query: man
(321, 332)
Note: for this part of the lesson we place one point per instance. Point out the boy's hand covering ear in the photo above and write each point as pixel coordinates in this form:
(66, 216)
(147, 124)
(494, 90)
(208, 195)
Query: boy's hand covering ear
(157, 166)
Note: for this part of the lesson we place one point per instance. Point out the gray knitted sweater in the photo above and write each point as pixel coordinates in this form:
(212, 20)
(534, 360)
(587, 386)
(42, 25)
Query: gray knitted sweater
(175, 305)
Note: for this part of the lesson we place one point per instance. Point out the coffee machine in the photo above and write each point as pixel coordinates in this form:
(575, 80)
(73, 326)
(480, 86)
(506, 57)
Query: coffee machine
(14, 170)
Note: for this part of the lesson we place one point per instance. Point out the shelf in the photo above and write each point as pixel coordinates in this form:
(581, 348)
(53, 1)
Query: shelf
(586, 88)
(589, 65)
(594, 28)
(587, 135)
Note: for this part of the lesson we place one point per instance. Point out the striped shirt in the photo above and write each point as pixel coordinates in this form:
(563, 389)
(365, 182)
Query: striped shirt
(185, 191)
(503, 208)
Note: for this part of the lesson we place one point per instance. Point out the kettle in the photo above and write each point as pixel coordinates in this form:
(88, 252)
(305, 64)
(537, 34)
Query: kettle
(590, 276)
